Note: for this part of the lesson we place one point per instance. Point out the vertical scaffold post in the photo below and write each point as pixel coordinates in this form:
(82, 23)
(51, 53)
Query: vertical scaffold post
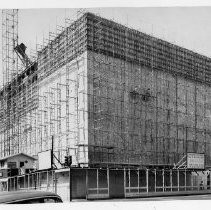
(52, 180)
(147, 180)
(55, 178)
(24, 180)
(70, 174)
(191, 181)
(108, 181)
(163, 173)
(129, 179)
(171, 179)
(86, 183)
(138, 182)
(125, 181)
(28, 182)
(40, 180)
(97, 182)
(35, 181)
(177, 179)
(198, 185)
(47, 180)
(9, 184)
(16, 182)
(155, 181)
(32, 180)
(52, 148)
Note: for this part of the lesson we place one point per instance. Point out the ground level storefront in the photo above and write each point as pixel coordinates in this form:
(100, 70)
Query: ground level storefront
(94, 183)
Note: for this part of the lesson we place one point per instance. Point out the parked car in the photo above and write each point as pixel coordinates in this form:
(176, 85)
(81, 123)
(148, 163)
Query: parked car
(29, 197)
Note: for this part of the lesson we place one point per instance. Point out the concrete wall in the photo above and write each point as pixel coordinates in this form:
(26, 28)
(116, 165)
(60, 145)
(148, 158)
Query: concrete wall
(62, 112)
(126, 126)
(69, 125)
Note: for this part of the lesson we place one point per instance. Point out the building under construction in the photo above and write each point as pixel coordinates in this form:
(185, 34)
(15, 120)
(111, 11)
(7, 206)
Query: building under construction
(108, 94)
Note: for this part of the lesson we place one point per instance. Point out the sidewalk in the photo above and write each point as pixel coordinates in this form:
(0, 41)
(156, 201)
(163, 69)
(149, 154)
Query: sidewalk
(154, 194)
(172, 193)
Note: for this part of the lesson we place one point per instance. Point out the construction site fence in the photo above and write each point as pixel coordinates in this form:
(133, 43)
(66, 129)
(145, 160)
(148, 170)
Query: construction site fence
(111, 183)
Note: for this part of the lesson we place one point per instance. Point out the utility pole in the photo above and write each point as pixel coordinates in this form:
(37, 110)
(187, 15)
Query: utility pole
(52, 146)
(52, 164)
(68, 163)
(70, 184)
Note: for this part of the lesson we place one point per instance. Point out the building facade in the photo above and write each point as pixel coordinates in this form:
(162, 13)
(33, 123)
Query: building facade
(110, 95)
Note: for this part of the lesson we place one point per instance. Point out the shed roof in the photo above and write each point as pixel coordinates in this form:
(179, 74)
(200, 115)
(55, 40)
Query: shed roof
(19, 154)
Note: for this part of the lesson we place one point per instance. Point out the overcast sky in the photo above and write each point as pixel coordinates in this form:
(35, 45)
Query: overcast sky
(189, 27)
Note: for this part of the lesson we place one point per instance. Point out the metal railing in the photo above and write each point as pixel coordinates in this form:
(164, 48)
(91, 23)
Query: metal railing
(107, 183)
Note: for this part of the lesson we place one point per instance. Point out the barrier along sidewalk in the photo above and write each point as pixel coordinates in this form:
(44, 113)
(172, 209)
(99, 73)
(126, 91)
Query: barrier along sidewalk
(93, 183)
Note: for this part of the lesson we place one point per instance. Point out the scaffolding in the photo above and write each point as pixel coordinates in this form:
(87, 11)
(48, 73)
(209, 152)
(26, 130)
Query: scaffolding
(61, 79)
(111, 96)
(9, 41)
(18, 95)
(150, 98)
(10, 71)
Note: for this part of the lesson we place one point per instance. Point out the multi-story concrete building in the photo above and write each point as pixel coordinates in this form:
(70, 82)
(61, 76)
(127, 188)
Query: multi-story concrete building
(109, 95)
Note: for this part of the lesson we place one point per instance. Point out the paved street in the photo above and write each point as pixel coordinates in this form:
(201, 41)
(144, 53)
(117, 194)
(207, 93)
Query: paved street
(189, 197)
(169, 198)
